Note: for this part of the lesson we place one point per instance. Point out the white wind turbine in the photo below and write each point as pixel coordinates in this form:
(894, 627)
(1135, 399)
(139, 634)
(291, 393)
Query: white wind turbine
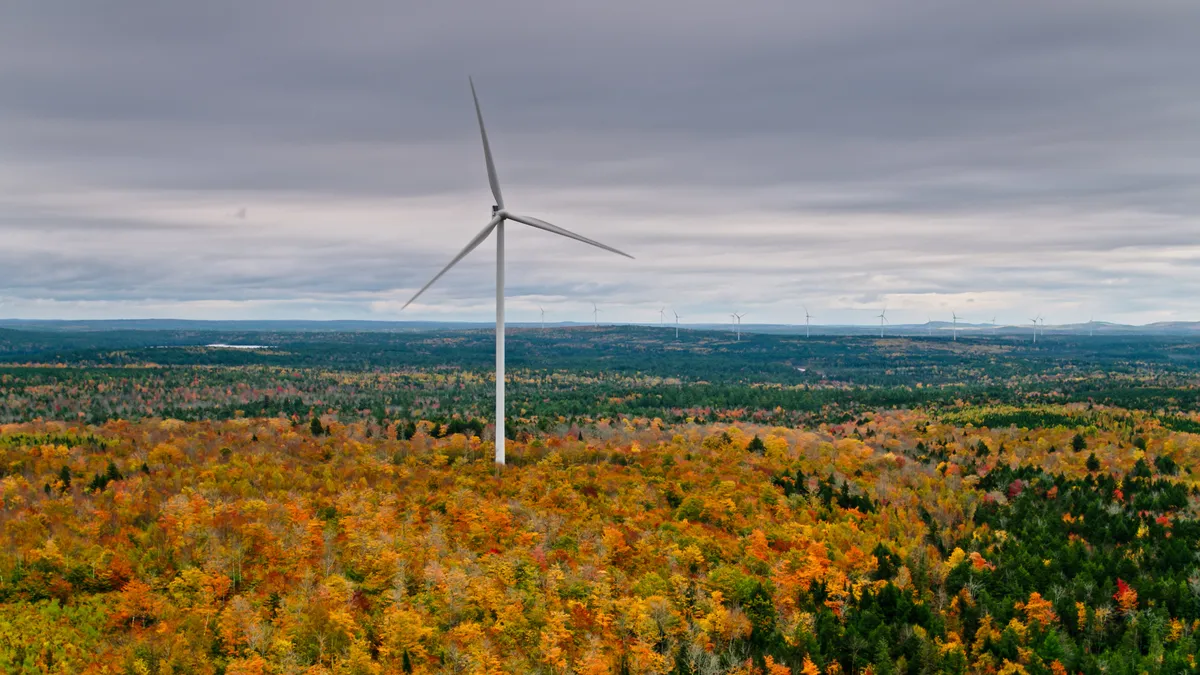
(738, 318)
(929, 325)
(807, 316)
(595, 315)
(661, 313)
(499, 215)
(676, 323)
(882, 320)
(955, 329)
(1035, 322)
(993, 324)
(543, 319)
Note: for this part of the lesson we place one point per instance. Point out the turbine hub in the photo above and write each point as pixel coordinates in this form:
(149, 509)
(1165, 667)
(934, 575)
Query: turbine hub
(495, 209)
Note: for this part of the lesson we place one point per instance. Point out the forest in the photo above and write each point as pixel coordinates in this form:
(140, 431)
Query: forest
(704, 505)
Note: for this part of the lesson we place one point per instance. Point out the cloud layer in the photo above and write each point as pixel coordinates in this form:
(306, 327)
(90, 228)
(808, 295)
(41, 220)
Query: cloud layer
(759, 156)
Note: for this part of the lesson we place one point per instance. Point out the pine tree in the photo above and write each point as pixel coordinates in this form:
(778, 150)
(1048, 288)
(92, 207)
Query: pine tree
(756, 446)
(883, 660)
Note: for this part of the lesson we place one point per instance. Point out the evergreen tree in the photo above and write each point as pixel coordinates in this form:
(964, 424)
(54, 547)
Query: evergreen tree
(883, 660)
(112, 473)
(1166, 465)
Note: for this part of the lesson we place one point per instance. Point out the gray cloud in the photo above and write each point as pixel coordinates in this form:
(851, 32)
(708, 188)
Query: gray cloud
(928, 154)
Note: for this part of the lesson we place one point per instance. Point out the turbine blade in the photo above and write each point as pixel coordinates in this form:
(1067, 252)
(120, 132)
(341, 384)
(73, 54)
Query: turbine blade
(487, 150)
(483, 234)
(543, 225)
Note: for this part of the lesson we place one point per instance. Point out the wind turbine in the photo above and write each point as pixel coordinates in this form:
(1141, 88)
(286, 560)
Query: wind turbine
(543, 319)
(929, 325)
(882, 320)
(661, 313)
(993, 324)
(595, 315)
(1035, 322)
(676, 323)
(807, 316)
(955, 329)
(499, 215)
(1091, 324)
(738, 317)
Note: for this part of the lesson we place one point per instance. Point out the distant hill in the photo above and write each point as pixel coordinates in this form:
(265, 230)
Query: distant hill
(936, 328)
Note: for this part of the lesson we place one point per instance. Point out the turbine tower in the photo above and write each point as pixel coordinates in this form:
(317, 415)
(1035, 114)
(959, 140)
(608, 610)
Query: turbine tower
(676, 323)
(929, 325)
(595, 315)
(738, 318)
(543, 319)
(993, 324)
(955, 330)
(882, 320)
(807, 316)
(661, 313)
(499, 215)
(1035, 321)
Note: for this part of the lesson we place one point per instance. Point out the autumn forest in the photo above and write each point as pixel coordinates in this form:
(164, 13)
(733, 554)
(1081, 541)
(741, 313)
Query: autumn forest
(701, 505)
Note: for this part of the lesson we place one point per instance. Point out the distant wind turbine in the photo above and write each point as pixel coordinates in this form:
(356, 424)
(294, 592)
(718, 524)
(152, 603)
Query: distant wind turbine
(955, 329)
(595, 315)
(499, 216)
(661, 313)
(929, 325)
(1035, 322)
(738, 317)
(1091, 325)
(543, 319)
(882, 320)
(993, 324)
(676, 323)
(807, 316)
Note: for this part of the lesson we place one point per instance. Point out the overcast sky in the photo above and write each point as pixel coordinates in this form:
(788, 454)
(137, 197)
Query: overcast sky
(998, 159)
